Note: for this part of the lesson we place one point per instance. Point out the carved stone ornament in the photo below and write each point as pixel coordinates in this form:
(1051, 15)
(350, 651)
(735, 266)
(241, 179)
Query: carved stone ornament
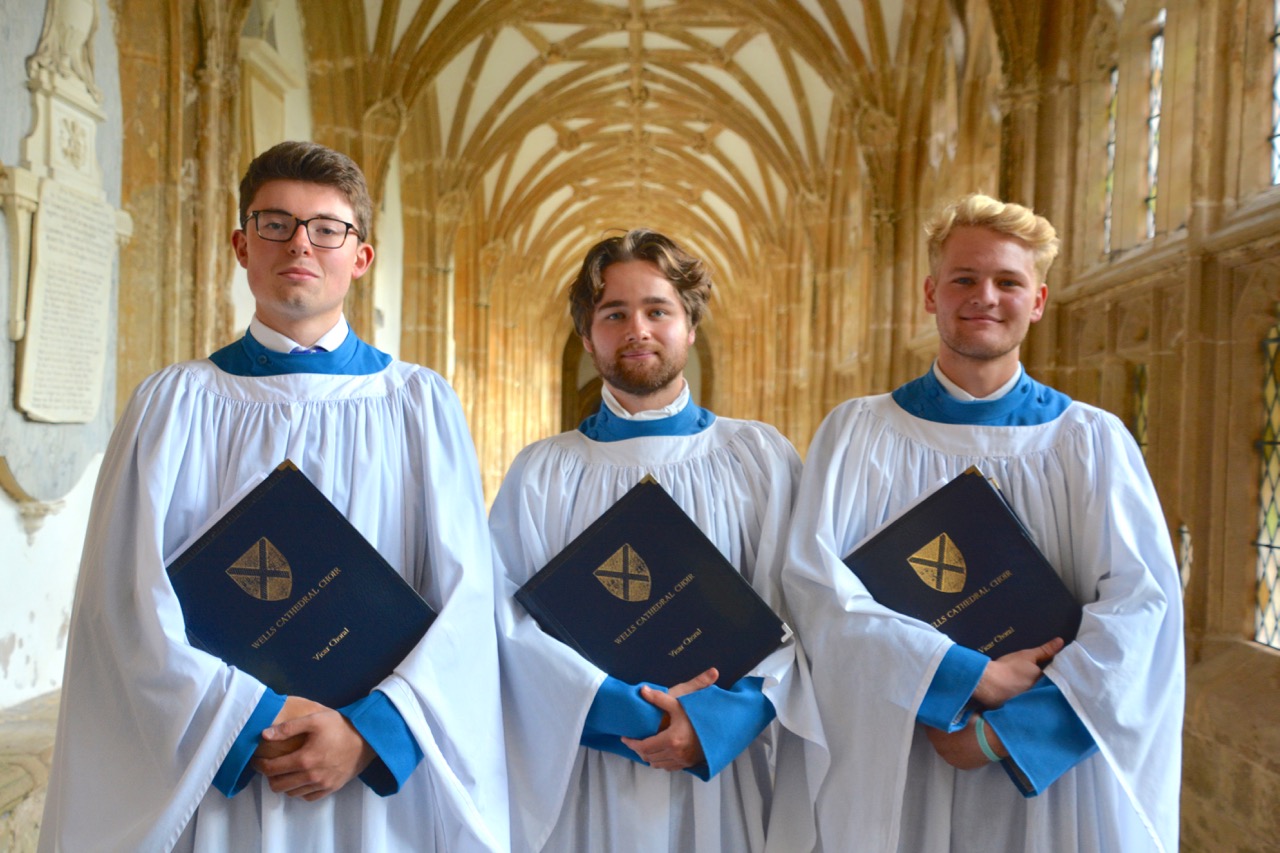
(63, 233)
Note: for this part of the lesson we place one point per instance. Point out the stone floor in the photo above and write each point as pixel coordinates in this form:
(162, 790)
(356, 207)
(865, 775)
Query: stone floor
(26, 747)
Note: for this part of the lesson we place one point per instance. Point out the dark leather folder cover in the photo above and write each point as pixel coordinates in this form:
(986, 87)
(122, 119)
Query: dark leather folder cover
(962, 561)
(284, 588)
(644, 595)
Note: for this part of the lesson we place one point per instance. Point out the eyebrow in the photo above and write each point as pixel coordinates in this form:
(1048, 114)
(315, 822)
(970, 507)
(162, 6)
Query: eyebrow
(648, 300)
(1003, 272)
(321, 215)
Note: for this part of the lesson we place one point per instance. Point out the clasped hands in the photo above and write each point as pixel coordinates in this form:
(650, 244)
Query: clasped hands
(1005, 677)
(310, 750)
(676, 745)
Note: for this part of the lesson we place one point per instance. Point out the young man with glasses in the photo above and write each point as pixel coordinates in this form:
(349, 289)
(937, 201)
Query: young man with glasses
(162, 746)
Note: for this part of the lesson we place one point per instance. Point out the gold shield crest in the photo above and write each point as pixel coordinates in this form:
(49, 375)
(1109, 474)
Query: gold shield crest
(625, 575)
(940, 564)
(263, 572)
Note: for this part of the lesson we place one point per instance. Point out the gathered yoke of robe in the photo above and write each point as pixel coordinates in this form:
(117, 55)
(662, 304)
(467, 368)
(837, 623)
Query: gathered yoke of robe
(148, 721)
(1096, 744)
(574, 784)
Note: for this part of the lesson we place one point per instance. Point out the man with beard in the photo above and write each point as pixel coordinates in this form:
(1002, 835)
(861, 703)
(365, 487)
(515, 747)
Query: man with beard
(935, 748)
(596, 763)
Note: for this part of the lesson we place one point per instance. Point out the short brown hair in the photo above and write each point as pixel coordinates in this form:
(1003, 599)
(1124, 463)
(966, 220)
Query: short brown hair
(310, 163)
(688, 275)
(1012, 220)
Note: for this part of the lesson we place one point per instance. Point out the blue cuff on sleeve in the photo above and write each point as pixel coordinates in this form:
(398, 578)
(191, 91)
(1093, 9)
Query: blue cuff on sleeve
(952, 686)
(616, 711)
(380, 724)
(235, 771)
(1044, 737)
(727, 721)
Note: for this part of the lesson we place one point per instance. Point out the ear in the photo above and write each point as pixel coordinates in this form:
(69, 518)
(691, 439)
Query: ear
(1042, 296)
(586, 344)
(363, 259)
(693, 334)
(930, 290)
(240, 243)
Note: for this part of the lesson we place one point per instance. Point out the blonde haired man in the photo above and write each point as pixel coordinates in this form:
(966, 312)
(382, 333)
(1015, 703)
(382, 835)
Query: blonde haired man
(933, 746)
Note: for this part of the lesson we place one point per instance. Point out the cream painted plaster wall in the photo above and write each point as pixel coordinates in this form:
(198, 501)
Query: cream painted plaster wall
(388, 264)
(297, 125)
(38, 577)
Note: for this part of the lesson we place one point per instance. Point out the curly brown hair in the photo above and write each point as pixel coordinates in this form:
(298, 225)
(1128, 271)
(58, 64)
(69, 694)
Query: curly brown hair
(688, 275)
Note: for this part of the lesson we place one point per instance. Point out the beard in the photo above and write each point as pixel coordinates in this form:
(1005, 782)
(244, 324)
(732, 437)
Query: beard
(641, 380)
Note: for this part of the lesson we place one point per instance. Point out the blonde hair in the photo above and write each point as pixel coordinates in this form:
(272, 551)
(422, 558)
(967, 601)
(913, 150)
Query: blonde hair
(1007, 218)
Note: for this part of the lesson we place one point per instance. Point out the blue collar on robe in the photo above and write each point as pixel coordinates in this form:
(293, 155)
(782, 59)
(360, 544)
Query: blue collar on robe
(247, 357)
(1028, 403)
(604, 425)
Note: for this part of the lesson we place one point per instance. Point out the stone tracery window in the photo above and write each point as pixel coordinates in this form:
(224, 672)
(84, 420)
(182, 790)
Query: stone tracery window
(1113, 97)
(1275, 93)
(1141, 422)
(1267, 614)
(1155, 96)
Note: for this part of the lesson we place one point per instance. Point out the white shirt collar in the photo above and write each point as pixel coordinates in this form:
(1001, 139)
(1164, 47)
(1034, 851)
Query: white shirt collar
(277, 342)
(676, 406)
(965, 397)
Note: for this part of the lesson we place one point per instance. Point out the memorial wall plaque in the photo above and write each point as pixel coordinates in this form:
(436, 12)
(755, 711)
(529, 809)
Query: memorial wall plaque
(62, 358)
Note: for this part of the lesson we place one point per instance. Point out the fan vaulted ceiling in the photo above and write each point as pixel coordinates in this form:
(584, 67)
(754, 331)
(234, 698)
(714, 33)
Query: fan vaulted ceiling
(564, 119)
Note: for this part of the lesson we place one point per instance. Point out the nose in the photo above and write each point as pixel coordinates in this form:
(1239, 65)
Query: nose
(300, 242)
(637, 327)
(985, 293)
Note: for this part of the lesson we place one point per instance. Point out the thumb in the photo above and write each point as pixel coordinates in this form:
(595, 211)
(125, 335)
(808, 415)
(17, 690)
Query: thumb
(1046, 653)
(286, 729)
(657, 698)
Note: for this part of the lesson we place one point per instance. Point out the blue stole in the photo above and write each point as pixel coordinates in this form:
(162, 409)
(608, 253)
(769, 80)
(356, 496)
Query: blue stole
(1028, 403)
(604, 425)
(247, 357)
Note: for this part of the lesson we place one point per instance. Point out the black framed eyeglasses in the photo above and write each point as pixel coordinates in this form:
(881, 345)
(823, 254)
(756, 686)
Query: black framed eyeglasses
(323, 232)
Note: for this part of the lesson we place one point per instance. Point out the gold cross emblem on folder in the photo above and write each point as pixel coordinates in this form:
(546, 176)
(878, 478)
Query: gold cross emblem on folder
(263, 572)
(625, 575)
(940, 564)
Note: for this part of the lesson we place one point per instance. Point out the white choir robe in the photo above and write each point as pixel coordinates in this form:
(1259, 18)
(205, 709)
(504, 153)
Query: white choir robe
(1081, 487)
(146, 719)
(736, 480)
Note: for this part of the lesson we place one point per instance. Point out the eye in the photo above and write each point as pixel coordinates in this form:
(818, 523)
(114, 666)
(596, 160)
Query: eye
(272, 226)
(328, 227)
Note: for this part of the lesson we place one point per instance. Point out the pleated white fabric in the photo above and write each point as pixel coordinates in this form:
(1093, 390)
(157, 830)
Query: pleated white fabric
(736, 480)
(1080, 485)
(146, 719)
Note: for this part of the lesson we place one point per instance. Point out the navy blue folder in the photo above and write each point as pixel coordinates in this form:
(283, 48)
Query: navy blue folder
(644, 595)
(284, 588)
(962, 561)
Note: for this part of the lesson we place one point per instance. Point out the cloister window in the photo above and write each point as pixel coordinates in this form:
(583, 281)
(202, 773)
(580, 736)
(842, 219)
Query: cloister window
(1113, 96)
(1267, 618)
(1275, 92)
(1140, 408)
(1155, 95)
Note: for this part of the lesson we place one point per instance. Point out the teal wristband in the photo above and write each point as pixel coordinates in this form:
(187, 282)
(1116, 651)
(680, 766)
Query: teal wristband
(981, 727)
